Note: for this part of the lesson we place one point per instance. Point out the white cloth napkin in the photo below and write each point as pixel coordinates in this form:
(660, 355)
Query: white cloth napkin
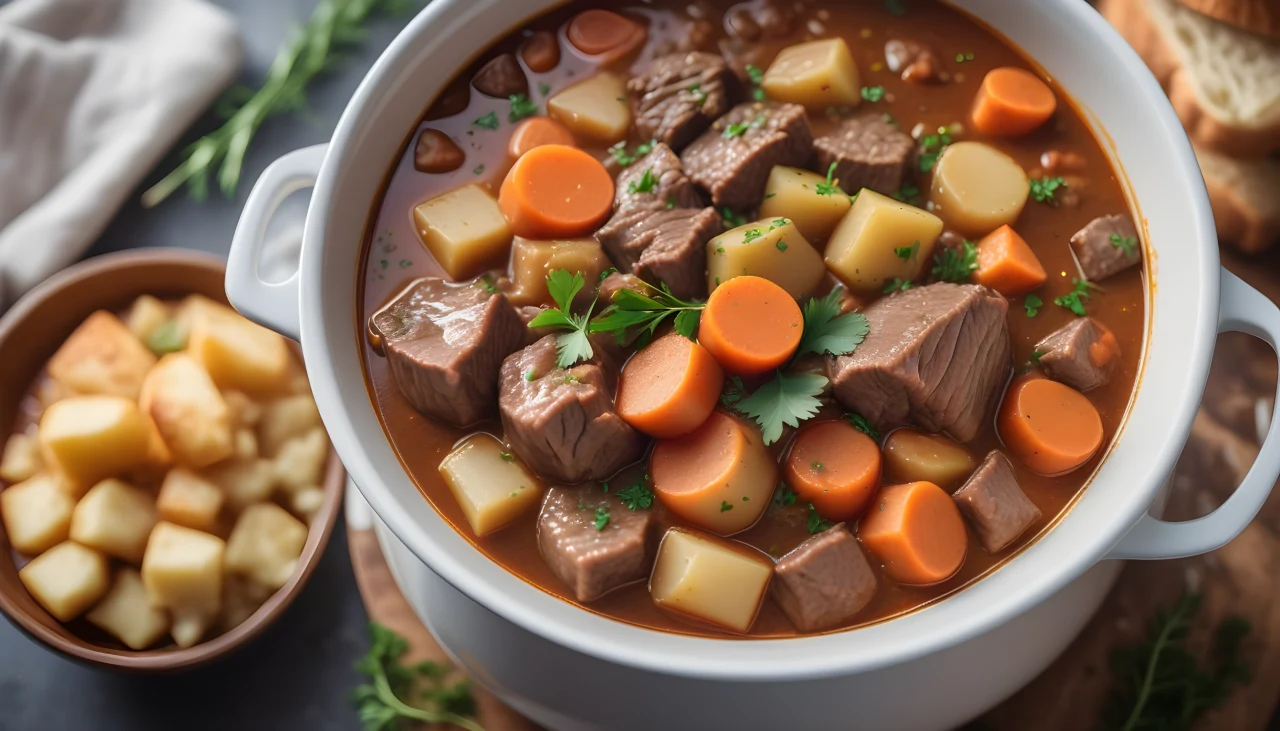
(92, 94)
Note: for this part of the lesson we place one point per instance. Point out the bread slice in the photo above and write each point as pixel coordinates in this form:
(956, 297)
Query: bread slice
(1222, 81)
(1255, 16)
(1245, 195)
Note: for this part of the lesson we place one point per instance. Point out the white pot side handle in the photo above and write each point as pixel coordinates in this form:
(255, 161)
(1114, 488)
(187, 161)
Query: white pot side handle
(1244, 309)
(270, 304)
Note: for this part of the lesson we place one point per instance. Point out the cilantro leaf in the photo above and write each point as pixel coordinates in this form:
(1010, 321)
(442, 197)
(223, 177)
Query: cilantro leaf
(572, 345)
(521, 107)
(488, 121)
(687, 322)
(383, 702)
(647, 311)
(827, 331)
(563, 287)
(861, 424)
(732, 393)
(1032, 304)
(1044, 190)
(951, 265)
(787, 399)
(1075, 299)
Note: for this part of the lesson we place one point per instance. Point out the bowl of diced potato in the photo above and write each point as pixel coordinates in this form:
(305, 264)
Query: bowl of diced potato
(166, 485)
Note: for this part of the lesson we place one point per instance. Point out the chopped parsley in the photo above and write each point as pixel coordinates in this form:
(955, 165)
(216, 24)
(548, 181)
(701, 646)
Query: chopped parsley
(782, 245)
(731, 219)
(861, 424)
(897, 285)
(1045, 190)
(1074, 300)
(602, 518)
(1032, 303)
(699, 95)
(572, 379)
(1036, 355)
(1128, 243)
(757, 77)
(951, 265)
(751, 234)
(646, 183)
(544, 88)
(725, 506)
(477, 170)
(931, 147)
(605, 274)
(521, 107)
(816, 466)
(671, 202)
(529, 375)
(507, 456)
(488, 121)
(830, 186)
(719, 249)
(572, 345)
(636, 496)
(907, 253)
(815, 523)
(778, 223)
(872, 93)
(784, 496)
(620, 155)
(963, 57)
(486, 283)
(767, 196)
(738, 128)
(826, 331)
(908, 193)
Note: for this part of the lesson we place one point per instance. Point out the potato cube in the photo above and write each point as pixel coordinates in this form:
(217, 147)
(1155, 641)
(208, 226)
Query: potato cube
(67, 579)
(305, 503)
(146, 315)
(284, 419)
(301, 461)
(189, 411)
(532, 261)
(246, 444)
(595, 108)
(491, 485)
(914, 456)
(102, 357)
(794, 193)
(265, 545)
(244, 410)
(21, 458)
(238, 354)
(464, 230)
(771, 248)
(881, 239)
(89, 438)
(182, 570)
(114, 518)
(244, 482)
(189, 500)
(190, 627)
(36, 513)
(708, 579)
(817, 74)
(125, 614)
(977, 189)
(241, 597)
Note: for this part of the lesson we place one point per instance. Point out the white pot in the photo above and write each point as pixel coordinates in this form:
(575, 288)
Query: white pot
(569, 668)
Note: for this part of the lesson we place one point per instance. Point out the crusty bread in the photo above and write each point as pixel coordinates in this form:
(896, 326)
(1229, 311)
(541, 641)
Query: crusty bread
(1222, 81)
(1245, 195)
(1256, 16)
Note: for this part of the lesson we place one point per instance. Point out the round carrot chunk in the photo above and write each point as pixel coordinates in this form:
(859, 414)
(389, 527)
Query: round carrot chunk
(835, 467)
(1007, 264)
(536, 132)
(669, 388)
(556, 191)
(599, 31)
(1049, 426)
(917, 533)
(1012, 102)
(751, 325)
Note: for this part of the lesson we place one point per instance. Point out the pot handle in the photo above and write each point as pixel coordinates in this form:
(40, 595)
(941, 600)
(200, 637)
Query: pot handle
(271, 304)
(1244, 309)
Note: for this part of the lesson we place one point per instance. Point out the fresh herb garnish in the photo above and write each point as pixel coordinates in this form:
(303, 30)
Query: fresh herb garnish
(738, 128)
(1128, 243)
(602, 518)
(757, 77)
(1044, 190)
(478, 169)
(699, 96)
(725, 506)
(620, 155)
(786, 399)
(830, 186)
(1036, 355)
(814, 522)
(931, 147)
(897, 285)
(908, 193)
(732, 393)
(605, 274)
(647, 311)
(1032, 303)
(507, 456)
(671, 202)
(907, 253)
(530, 374)
(544, 88)
(861, 424)
(751, 234)
(784, 496)
(872, 93)
(828, 332)
(488, 121)
(521, 107)
(572, 379)
(573, 345)
(963, 57)
(636, 496)
(168, 337)
(487, 284)
(778, 223)
(378, 702)
(730, 219)
(1074, 300)
(646, 183)
(952, 265)
(781, 245)
(816, 466)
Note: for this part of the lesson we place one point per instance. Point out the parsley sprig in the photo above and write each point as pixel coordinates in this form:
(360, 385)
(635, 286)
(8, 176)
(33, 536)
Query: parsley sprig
(620, 155)
(1128, 243)
(521, 107)
(1032, 304)
(572, 345)
(931, 147)
(952, 265)
(379, 703)
(830, 186)
(828, 332)
(1045, 190)
(861, 424)
(757, 78)
(645, 184)
(815, 523)
(1075, 299)
(636, 496)
(647, 311)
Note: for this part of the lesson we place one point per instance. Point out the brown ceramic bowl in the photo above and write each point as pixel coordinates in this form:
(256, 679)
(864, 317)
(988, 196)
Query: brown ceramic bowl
(29, 334)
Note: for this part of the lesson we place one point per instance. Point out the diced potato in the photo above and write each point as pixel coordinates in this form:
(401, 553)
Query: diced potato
(914, 456)
(977, 189)
(21, 458)
(158, 453)
(146, 315)
(244, 482)
(189, 500)
(244, 410)
(125, 614)
(464, 230)
(36, 513)
(817, 74)
(114, 518)
(67, 579)
(190, 627)
(491, 485)
(241, 597)
(532, 261)
(305, 503)
(238, 354)
(301, 461)
(265, 545)
(89, 438)
(771, 248)
(189, 411)
(866, 251)
(246, 444)
(284, 419)
(595, 108)
(102, 357)
(182, 570)
(793, 193)
(708, 579)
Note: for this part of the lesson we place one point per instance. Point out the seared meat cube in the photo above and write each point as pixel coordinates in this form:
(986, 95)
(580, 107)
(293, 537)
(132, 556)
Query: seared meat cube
(994, 504)
(561, 421)
(594, 561)
(824, 581)
(666, 246)
(501, 77)
(937, 356)
(868, 153)
(1108, 245)
(445, 343)
(914, 61)
(732, 160)
(655, 181)
(615, 282)
(680, 96)
(1082, 354)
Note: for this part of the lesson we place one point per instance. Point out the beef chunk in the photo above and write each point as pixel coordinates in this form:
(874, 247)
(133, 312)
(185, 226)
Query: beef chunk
(435, 152)
(591, 561)
(561, 421)
(445, 343)
(667, 246)
(501, 77)
(824, 581)
(1082, 354)
(936, 356)
(914, 61)
(868, 153)
(994, 504)
(615, 282)
(735, 168)
(655, 180)
(680, 96)
(1101, 246)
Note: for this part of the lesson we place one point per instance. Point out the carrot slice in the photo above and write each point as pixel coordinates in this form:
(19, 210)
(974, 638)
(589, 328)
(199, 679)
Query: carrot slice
(1012, 102)
(751, 325)
(1007, 264)
(556, 191)
(595, 32)
(536, 132)
(917, 533)
(835, 467)
(1049, 426)
(669, 388)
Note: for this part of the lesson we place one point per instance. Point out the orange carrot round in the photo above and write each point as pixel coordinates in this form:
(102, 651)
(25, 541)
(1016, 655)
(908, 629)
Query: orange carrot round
(1049, 426)
(1007, 264)
(917, 533)
(599, 31)
(751, 325)
(556, 191)
(669, 388)
(835, 467)
(536, 132)
(1012, 102)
